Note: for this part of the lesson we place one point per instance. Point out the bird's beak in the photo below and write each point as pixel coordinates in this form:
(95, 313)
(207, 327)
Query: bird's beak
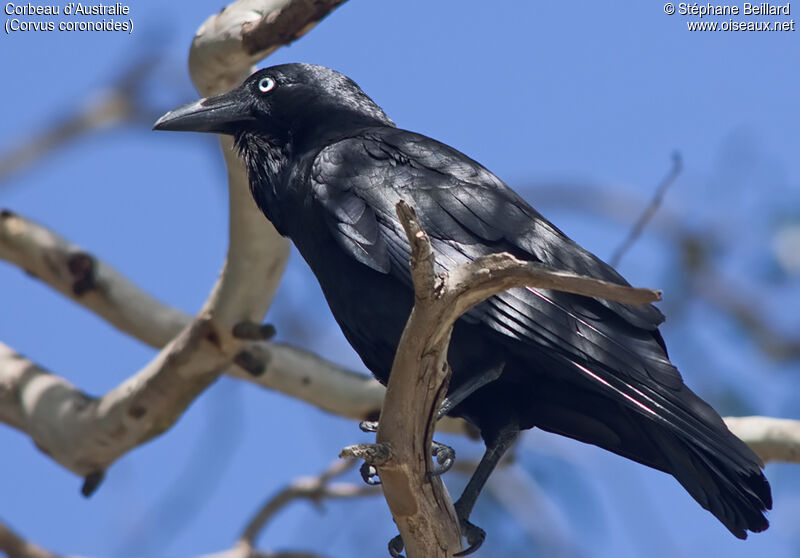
(220, 115)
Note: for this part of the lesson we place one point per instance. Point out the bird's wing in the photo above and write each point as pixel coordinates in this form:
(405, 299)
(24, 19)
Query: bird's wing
(613, 349)
(468, 212)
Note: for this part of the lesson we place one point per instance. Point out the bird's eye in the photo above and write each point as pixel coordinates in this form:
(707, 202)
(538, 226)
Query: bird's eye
(266, 84)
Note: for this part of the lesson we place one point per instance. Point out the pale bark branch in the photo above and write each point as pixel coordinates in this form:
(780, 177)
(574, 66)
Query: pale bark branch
(13, 545)
(87, 434)
(245, 32)
(419, 502)
(772, 439)
(87, 280)
(90, 282)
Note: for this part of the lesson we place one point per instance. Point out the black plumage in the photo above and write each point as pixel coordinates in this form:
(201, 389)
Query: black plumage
(327, 167)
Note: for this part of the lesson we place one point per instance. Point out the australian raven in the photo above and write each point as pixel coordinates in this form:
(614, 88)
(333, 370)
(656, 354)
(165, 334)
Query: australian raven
(327, 167)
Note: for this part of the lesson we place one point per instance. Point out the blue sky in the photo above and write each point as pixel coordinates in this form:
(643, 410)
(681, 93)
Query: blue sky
(548, 95)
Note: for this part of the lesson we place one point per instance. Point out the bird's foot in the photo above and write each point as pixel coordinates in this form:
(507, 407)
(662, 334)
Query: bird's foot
(474, 535)
(396, 547)
(369, 474)
(444, 455)
(368, 425)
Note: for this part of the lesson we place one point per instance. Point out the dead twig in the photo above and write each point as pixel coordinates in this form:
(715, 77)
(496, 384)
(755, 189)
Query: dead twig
(419, 502)
(649, 211)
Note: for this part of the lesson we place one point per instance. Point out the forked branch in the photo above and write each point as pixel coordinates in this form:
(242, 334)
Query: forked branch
(419, 502)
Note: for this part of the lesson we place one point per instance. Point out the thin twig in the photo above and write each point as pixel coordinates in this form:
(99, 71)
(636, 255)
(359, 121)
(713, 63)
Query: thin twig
(121, 102)
(649, 211)
(314, 489)
(695, 248)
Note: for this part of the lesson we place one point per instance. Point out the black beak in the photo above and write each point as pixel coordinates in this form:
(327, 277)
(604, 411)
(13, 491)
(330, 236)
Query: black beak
(220, 115)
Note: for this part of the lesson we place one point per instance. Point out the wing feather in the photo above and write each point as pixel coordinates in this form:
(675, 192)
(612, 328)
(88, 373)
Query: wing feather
(468, 212)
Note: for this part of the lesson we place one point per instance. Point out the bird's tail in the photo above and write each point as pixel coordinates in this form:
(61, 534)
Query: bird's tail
(726, 480)
(714, 466)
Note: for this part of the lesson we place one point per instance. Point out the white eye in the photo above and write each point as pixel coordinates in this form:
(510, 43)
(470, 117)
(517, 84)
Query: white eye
(266, 84)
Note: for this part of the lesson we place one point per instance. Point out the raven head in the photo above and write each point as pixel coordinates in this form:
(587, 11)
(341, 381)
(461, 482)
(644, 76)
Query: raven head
(287, 103)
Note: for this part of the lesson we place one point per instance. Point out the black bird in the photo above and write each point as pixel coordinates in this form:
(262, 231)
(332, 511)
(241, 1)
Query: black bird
(327, 167)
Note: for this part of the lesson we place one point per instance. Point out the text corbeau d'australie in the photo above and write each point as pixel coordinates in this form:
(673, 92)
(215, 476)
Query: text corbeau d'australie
(75, 9)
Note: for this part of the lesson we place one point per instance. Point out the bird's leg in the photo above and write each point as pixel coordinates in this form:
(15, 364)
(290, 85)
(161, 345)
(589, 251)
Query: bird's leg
(494, 451)
(466, 389)
(444, 455)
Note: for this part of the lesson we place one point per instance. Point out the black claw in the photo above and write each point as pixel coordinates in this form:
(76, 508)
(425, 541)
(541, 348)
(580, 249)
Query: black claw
(396, 547)
(445, 457)
(368, 425)
(369, 474)
(91, 482)
(474, 535)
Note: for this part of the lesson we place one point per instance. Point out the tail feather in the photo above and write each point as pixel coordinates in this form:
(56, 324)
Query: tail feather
(736, 496)
(720, 472)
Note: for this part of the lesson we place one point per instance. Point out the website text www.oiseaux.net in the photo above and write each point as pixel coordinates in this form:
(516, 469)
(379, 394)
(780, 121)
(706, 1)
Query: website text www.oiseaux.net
(746, 9)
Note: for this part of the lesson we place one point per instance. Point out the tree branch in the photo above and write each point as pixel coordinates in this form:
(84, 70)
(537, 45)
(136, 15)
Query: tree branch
(695, 249)
(649, 211)
(87, 280)
(86, 434)
(772, 439)
(418, 382)
(735, 299)
(14, 546)
(314, 489)
(319, 488)
(119, 102)
(90, 282)
(245, 32)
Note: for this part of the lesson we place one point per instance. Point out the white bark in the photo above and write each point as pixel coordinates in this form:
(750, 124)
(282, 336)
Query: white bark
(772, 439)
(92, 283)
(86, 434)
(245, 32)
